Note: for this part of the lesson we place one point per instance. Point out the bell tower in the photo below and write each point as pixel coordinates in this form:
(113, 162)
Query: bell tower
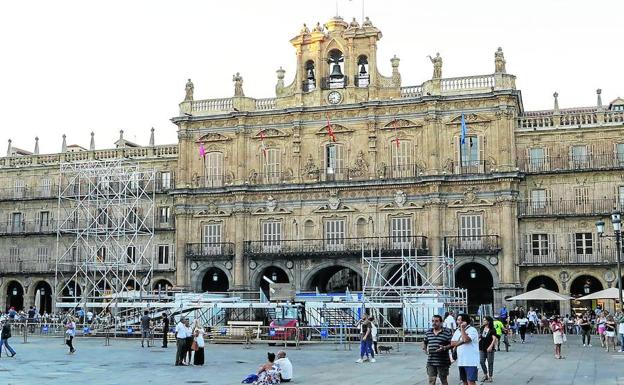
(337, 63)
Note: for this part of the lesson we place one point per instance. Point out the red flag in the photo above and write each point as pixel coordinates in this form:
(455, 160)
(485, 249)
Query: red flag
(330, 132)
(202, 150)
(396, 133)
(262, 145)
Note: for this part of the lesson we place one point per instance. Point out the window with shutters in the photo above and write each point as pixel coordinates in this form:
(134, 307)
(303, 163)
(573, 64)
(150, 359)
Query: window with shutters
(584, 243)
(619, 153)
(334, 234)
(42, 255)
(104, 184)
(581, 199)
(164, 215)
(214, 169)
(44, 220)
(14, 253)
(402, 159)
(132, 218)
(537, 159)
(538, 198)
(470, 155)
(539, 244)
(131, 253)
(17, 222)
(470, 231)
(401, 232)
(334, 162)
(101, 254)
(102, 217)
(165, 180)
(134, 181)
(211, 238)
(621, 197)
(19, 188)
(45, 186)
(271, 236)
(163, 254)
(579, 156)
(272, 166)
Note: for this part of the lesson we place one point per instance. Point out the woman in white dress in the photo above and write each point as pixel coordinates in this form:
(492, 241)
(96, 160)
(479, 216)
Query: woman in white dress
(558, 331)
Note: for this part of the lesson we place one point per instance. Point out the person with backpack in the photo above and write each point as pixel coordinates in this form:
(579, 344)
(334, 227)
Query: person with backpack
(4, 338)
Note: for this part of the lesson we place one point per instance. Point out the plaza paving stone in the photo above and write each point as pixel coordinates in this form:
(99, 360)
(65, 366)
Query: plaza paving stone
(45, 361)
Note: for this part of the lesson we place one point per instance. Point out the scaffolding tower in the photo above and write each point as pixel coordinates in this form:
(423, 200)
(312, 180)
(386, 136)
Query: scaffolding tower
(416, 285)
(105, 233)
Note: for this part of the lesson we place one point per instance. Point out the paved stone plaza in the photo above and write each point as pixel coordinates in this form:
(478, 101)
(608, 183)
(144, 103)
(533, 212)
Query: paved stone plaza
(44, 361)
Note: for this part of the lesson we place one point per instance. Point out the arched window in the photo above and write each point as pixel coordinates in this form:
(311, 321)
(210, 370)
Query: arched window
(335, 78)
(272, 166)
(360, 228)
(214, 169)
(308, 229)
(362, 77)
(401, 159)
(334, 162)
(309, 84)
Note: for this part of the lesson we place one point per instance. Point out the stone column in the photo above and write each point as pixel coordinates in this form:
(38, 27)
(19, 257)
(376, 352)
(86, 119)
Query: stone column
(182, 267)
(434, 234)
(240, 236)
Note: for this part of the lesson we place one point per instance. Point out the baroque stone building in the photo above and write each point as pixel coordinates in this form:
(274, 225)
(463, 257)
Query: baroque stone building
(345, 159)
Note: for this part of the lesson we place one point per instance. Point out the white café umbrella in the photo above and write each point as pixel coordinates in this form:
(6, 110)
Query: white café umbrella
(38, 300)
(540, 294)
(610, 293)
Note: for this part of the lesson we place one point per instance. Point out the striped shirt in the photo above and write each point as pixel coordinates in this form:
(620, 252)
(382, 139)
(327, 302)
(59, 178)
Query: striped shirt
(433, 342)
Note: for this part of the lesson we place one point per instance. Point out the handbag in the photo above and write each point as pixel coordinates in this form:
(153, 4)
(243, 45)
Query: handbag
(194, 346)
(565, 339)
(454, 354)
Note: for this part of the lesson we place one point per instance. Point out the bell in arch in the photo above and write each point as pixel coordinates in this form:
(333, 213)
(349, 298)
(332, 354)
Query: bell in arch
(362, 69)
(336, 72)
(310, 73)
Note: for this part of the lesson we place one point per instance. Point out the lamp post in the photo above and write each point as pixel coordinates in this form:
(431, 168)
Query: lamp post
(616, 220)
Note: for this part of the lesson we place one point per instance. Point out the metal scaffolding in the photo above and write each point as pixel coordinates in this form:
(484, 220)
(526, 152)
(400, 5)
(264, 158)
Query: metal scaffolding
(105, 233)
(417, 286)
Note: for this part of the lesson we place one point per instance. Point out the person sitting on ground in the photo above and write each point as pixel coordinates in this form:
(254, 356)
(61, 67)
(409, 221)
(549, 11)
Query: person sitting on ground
(284, 366)
(267, 373)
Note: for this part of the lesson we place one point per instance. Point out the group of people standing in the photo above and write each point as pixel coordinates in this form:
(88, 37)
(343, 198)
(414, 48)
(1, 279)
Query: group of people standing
(190, 343)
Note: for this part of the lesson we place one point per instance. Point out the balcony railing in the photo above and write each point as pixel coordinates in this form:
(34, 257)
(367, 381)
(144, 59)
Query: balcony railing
(28, 192)
(473, 245)
(569, 118)
(568, 257)
(338, 247)
(270, 178)
(470, 167)
(571, 163)
(590, 207)
(164, 224)
(209, 251)
(28, 227)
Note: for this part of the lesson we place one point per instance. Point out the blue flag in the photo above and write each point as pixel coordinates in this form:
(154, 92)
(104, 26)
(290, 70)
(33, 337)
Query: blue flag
(464, 129)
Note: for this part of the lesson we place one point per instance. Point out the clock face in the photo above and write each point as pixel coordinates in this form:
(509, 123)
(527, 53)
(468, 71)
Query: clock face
(334, 97)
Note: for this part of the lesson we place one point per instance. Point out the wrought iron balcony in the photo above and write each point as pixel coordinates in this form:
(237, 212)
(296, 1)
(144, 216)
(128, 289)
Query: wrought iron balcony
(571, 162)
(473, 245)
(593, 256)
(209, 251)
(589, 207)
(470, 167)
(28, 227)
(28, 192)
(345, 247)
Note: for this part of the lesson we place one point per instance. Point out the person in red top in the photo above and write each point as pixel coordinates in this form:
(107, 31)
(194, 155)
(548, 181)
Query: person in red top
(558, 332)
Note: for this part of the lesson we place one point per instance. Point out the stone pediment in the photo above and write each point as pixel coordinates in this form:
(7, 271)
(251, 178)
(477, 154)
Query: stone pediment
(470, 119)
(406, 206)
(213, 137)
(271, 133)
(400, 124)
(267, 211)
(340, 209)
(337, 128)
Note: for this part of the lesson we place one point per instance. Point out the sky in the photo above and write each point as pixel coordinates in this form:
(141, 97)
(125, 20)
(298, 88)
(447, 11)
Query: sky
(73, 67)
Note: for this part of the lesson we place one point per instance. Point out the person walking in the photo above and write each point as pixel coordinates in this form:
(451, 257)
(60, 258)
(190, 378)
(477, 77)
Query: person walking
(466, 340)
(5, 334)
(522, 328)
(558, 332)
(620, 320)
(373, 334)
(501, 334)
(449, 321)
(610, 332)
(146, 328)
(70, 333)
(601, 322)
(436, 345)
(533, 321)
(165, 327)
(198, 333)
(366, 342)
(487, 341)
(585, 331)
(181, 334)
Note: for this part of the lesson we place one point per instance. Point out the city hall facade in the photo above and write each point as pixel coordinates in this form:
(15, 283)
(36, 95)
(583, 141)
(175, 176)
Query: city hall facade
(343, 160)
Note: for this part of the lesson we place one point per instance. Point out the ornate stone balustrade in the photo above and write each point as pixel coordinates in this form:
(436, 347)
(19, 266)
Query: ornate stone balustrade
(207, 105)
(164, 151)
(575, 117)
(468, 83)
(411, 92)
(266, 104)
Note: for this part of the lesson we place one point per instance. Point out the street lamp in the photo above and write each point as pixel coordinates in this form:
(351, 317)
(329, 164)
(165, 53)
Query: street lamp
(14, 291)
(274, 276)
(215, 277)
(473, 273)
(587, 287)
(616, 220)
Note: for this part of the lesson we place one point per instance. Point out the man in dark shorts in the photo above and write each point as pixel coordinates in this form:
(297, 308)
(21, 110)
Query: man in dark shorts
(145, 328)
(436, 343)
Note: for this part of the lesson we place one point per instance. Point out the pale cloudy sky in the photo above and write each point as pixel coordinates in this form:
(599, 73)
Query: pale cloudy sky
(72, 67)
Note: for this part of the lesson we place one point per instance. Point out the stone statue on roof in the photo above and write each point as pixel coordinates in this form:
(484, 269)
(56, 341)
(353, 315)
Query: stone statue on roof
(354, 24)
(367, 22)
(189, 91)
(318, 28)
(238, 84)
(437, 65)
(499, 61)
(304, 30)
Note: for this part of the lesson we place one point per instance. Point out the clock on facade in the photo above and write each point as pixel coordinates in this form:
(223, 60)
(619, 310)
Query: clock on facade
(334, 97)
